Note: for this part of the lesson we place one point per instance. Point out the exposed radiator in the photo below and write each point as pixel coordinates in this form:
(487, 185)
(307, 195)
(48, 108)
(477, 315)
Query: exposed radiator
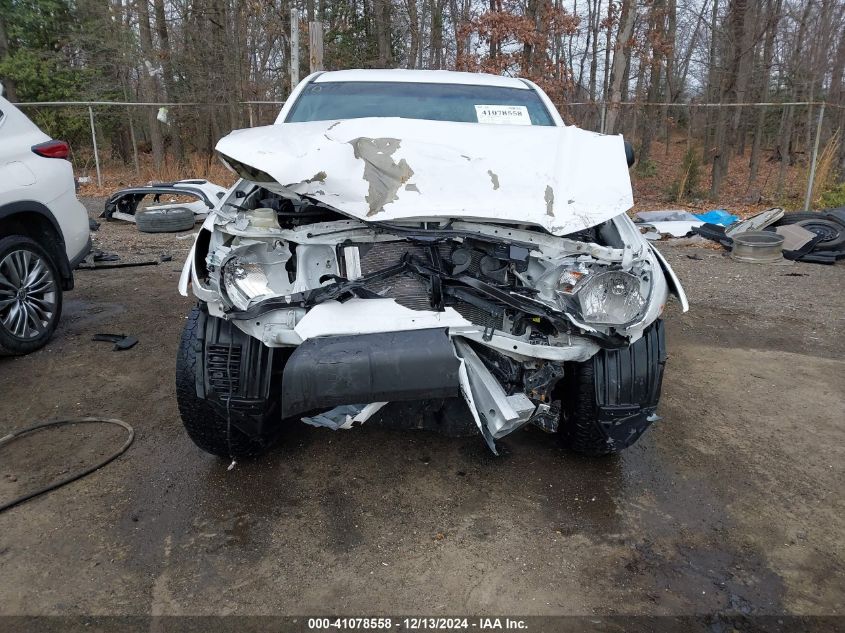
(409, 290)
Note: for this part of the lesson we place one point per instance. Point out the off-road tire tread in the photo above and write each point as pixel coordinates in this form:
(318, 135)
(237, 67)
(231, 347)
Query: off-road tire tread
(206, 428)
(580, 431)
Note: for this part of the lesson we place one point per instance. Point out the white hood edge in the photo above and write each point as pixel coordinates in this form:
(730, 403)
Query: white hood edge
(563, 179)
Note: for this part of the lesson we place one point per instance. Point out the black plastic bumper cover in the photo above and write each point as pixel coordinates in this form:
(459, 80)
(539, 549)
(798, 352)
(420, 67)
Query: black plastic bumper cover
(236, 376)
(385, 367)
(628, 385)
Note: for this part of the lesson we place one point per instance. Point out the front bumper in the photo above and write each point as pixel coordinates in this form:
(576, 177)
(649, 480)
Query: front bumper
(331, 376)
(384, 367)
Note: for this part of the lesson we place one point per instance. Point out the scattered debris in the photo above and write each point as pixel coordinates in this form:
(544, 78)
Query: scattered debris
(121, 341)
(665, 216)
(827, 245)
(344, 416)
(123, 204)
(673, 223)
(796, 237)
(680, 228)
(90, 264)
(102, 256)
(758, 247)
(755, 223)
(718, 216)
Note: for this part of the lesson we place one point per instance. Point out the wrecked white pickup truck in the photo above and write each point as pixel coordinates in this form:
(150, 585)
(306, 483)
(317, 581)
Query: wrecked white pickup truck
(423, 236)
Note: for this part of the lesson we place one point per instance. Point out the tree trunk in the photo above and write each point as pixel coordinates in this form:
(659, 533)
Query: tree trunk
(712, 87)
(382, 21)
(149, 83)
(837, 96)
(414, 28)
(620, 62)
(605, 92)
(168, 78)
(788, 121)
(657, 34)
(728, 94)
(594, 56)
(670, 68)
(759, 127)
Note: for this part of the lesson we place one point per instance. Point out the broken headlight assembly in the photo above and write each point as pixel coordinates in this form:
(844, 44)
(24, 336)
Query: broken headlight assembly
(613, 297)
(601, 296)
(255, 273)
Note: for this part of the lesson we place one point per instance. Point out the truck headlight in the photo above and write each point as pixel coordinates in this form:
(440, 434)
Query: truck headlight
(245, 281)
(255, 272)
(611, 298)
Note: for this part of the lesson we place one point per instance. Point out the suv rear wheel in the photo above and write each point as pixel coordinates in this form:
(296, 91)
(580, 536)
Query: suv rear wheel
(30, 296)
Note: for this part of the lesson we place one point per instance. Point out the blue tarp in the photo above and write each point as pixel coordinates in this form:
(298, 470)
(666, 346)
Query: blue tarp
(717, 216)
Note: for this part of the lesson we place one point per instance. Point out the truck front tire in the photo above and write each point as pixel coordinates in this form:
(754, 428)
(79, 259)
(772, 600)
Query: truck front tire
(207, 428)
(611, 399)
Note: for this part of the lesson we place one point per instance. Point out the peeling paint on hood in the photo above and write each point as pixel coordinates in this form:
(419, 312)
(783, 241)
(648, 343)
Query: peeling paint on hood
(563, 179)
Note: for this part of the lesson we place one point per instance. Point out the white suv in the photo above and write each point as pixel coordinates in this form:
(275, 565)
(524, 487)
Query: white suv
(44, 232)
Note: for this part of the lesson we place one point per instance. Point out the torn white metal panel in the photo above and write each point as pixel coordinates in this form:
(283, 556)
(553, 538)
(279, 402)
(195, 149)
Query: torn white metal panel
(671, 280)
(675, 228)
(368, 316)
(345, 416)
(563, 179)
(573, 348)
(500, 413)
(466, 392)
(187, 270)
(755, 222)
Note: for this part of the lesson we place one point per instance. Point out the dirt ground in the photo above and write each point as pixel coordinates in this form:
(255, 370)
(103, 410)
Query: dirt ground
(732, 503)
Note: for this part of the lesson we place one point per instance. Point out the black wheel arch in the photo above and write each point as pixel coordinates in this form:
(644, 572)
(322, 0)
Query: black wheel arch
(37, 222)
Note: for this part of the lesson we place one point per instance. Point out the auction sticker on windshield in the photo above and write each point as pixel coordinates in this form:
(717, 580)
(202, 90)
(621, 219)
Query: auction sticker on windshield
(503, 114)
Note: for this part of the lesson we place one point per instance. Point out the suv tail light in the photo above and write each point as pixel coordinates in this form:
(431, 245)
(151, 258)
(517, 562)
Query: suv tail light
(52, 149)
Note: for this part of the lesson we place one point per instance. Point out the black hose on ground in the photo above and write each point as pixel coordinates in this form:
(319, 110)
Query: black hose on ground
(87, 471)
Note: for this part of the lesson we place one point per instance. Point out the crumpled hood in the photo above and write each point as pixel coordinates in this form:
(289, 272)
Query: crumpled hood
(563, 179)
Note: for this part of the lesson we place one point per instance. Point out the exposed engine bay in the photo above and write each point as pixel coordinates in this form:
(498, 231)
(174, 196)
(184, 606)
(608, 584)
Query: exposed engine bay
(515, 302)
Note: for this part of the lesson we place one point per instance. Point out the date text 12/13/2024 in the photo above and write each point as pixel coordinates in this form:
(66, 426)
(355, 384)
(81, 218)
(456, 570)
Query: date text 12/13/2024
(418, 624)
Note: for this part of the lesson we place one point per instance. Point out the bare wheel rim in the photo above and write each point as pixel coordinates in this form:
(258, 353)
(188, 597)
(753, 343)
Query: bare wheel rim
(27, 294)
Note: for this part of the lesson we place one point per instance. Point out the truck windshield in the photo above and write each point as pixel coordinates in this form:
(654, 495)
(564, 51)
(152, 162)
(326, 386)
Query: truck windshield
(435, 102)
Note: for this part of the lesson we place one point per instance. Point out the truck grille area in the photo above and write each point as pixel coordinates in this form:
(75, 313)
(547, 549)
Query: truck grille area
(409, 290)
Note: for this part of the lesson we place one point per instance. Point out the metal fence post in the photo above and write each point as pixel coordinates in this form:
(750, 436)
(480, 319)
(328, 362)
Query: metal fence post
(134, 143)
(94, 143)
(813, 162)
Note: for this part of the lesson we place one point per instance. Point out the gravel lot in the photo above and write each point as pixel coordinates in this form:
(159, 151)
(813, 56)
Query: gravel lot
(734, 502)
